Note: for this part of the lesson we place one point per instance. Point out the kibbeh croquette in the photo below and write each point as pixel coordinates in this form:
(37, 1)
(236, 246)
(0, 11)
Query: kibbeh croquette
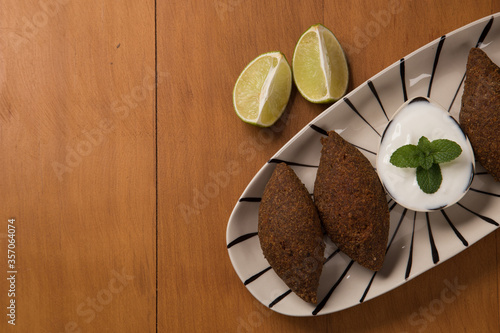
(290, 233)
(351, 202)
(480, 112)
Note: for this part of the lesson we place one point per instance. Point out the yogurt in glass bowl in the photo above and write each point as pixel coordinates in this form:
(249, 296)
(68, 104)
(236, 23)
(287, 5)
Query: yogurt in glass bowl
(416, 118)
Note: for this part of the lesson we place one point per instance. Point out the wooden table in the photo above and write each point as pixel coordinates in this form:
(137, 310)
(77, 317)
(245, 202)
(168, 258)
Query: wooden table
(120, 163)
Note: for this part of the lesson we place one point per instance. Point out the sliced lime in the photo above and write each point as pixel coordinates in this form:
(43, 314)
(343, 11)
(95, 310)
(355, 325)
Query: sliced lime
(262, 90)
(319, 65)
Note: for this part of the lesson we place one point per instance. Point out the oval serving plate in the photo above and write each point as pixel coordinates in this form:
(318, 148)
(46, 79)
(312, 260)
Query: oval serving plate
(417, 241)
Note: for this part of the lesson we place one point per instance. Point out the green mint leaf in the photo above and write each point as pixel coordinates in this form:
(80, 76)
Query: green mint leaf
(427, 162)
(429, 180)
(444, 150)
(425, 145)
(407, 156)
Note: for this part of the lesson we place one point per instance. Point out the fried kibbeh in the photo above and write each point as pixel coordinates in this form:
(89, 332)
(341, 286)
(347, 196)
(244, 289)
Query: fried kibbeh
(480, 111)
(290, 233)
(351, 202)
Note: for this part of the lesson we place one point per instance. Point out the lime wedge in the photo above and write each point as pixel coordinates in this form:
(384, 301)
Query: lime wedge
(262, 90)
(319, 66)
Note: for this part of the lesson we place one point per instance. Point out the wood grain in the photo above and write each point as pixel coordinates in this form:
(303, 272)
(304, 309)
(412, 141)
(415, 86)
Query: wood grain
(79, 164)
(122, 159)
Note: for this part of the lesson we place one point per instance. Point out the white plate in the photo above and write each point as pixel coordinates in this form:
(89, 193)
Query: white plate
(417, 241)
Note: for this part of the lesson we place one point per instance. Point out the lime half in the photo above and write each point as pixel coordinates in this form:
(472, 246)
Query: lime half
(262, 90)
(319, 65)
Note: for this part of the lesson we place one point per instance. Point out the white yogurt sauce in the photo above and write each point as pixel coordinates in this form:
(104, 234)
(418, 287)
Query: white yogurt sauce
(414, 119)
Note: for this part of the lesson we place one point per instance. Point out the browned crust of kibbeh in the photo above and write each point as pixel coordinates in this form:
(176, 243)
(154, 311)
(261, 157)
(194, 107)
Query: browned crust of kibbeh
(479, 114)
(351, 202)
(290, 233)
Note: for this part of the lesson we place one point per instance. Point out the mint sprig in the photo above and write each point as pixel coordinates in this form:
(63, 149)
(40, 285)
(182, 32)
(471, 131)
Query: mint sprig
(426, 156)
